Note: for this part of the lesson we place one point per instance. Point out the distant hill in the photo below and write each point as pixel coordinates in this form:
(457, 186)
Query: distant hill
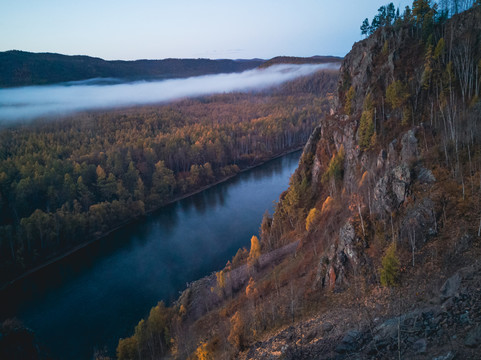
(20, 68)
(301, 60)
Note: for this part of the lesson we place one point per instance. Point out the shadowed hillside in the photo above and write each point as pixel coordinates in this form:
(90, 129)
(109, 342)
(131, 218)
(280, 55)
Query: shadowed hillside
(20, 68)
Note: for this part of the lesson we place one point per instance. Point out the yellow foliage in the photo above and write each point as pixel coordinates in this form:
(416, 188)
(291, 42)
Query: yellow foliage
(100, 173)
(251, 290)
(363, 179)
(255, 252)
(127, 348)
(311, 217)
(327, 205)
(220, 279)
(182, 310)
(237, 335)
(202, 352)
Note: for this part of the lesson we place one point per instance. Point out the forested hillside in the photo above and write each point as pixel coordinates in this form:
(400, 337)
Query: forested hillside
(20, 68)
(64, 182)
(374, 250)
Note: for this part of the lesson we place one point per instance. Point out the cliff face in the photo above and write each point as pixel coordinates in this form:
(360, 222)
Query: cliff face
(405, 132)
(392, 175)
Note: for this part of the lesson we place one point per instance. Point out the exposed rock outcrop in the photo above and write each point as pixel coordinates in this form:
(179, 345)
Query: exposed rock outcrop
(445, 333)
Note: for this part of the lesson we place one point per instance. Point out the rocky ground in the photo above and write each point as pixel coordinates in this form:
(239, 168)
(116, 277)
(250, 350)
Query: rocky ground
(446, 327)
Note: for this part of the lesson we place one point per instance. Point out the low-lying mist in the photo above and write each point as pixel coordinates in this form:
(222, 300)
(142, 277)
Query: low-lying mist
(31, 102)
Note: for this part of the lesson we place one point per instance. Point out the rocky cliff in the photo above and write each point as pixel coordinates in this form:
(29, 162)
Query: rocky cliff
(405, 140)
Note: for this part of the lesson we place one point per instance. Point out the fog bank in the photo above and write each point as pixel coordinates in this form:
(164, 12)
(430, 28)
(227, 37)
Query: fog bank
(31, 102)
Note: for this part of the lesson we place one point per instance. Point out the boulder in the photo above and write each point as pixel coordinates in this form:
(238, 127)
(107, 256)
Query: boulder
(449, 356)
(381, 159)
(392, 157)
(409, 147)
(419, 347)
(451, 286)
(326, 327)
(350, 342)
(347, 239)
(390, 190)
(425, 176)
(473, 338)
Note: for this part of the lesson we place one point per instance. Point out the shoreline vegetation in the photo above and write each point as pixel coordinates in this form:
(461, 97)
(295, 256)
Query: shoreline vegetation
(79, 177)
(59, 257)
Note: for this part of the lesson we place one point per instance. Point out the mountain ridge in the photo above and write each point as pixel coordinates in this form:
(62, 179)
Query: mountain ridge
(21, 68)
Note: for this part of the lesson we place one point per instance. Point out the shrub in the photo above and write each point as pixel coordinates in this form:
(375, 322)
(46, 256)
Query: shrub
(349, 98)
(335, 169)
(390, 267)
(311, 217)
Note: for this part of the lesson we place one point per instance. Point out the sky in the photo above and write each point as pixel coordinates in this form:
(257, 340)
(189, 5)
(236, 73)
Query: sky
(158, 29)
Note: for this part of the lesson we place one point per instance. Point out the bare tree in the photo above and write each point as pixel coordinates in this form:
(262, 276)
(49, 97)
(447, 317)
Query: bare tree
(412, 237)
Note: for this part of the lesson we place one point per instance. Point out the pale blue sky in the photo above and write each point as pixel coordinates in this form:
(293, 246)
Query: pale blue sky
(149, 29)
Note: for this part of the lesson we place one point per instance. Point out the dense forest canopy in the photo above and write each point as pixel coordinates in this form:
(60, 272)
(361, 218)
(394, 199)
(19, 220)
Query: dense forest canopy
(21, 68)
(68, 180)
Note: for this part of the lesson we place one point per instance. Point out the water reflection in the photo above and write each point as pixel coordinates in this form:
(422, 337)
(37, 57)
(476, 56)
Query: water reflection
(97, 295)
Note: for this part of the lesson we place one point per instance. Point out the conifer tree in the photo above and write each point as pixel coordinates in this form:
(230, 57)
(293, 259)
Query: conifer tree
(390, 267)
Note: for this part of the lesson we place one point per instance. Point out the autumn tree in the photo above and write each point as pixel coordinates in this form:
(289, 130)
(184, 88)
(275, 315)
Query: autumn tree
(127, 349)
(311, 218)
(202, 352)
(397, 95)
(158, 324)
(251, 290)
(237, 335)
(265, 230)
(254, 253)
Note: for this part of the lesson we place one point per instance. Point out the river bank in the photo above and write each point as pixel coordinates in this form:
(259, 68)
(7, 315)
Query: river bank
(90, 299)
(57, 257)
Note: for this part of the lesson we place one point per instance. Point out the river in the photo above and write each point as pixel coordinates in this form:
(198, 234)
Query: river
(93, 297)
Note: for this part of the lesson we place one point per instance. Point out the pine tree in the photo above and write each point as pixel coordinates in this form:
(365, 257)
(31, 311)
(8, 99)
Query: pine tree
(365, 27)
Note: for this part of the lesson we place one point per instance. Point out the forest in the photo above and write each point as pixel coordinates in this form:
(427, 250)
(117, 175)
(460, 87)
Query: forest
(383, 209)
(21, 68)
(66, 181)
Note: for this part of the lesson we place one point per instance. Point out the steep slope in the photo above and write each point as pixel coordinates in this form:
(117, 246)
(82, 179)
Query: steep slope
(385, 207)
(394, 175)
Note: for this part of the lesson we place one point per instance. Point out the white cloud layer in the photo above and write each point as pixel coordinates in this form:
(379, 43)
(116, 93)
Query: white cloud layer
(31, 102)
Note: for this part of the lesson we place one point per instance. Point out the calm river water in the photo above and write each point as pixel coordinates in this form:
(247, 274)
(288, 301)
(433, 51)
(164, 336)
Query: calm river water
(92, 298)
